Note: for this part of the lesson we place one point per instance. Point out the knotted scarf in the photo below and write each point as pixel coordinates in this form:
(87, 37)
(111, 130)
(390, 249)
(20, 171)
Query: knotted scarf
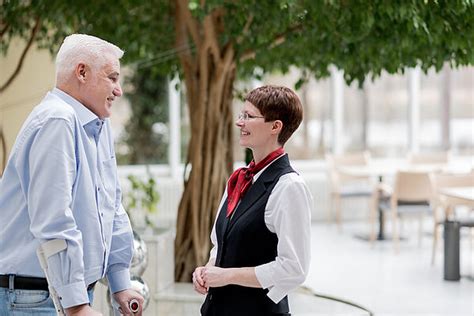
(241, 179)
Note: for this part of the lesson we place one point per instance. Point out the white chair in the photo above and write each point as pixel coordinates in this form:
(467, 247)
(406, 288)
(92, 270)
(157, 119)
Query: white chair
(428, 158)
(344, 186)
(411, 196)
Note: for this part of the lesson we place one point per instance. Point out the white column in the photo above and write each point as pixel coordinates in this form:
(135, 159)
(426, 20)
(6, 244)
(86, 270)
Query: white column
(446, 107)
(174, 148)
(413, 109)
(337, 104)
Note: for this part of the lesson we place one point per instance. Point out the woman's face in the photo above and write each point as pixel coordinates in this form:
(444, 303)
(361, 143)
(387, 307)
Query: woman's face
(254, 131)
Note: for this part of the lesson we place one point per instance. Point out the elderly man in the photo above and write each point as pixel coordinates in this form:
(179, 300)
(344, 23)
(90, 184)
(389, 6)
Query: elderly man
(61, 183)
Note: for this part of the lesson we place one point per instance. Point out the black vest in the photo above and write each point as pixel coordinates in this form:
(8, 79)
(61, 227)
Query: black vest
(245, 241)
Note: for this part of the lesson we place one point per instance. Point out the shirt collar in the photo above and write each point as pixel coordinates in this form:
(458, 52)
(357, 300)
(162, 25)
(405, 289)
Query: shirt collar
(84, 115)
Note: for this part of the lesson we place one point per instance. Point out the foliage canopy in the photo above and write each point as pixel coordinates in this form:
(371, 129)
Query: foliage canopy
(360, 37)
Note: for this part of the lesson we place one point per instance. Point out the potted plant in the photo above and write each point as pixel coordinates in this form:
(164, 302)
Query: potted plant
(141, 200)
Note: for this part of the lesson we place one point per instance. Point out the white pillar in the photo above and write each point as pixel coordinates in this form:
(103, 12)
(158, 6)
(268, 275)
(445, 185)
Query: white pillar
(414, 109)
(174, 148)
(446, 107)
(337, 104)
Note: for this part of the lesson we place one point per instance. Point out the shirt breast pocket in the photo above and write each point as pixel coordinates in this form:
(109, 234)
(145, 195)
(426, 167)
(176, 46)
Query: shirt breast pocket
(109, 178)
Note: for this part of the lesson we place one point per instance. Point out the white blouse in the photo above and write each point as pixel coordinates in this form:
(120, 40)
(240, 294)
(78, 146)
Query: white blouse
(288, 214)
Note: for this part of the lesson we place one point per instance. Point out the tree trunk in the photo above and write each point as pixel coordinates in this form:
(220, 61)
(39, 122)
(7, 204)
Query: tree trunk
(209, 73)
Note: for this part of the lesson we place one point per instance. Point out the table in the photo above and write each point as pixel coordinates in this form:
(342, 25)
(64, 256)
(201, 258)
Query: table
(455, 196)
(458, 196)
(381, 168)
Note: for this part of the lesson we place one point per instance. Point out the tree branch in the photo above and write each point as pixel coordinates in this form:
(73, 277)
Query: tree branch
(190, 22)
(5, 27)
(277, 40)
(210, 35)
(15, 73)
(245, 30)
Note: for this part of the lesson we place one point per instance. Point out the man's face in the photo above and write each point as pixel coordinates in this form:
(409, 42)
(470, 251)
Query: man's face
(102, 87)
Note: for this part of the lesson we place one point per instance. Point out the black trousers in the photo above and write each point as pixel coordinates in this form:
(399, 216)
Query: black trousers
(242, 301)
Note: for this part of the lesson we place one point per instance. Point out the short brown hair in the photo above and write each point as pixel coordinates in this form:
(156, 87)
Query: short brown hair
(278, 103)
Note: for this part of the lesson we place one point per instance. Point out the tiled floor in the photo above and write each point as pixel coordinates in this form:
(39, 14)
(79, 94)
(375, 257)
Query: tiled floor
(345, 267)
(181, 300)
(385, 282)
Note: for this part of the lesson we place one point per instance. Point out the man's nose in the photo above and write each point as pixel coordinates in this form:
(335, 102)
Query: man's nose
(118, 90)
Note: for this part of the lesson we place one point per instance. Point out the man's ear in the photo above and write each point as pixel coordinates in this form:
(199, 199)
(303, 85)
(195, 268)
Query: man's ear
(277, 126)
(81, 72)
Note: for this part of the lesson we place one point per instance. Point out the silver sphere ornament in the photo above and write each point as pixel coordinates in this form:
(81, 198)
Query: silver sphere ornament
(140, 256)
(140, 286)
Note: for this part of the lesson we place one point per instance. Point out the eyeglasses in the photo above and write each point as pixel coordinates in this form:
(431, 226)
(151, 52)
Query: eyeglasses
(244, 116)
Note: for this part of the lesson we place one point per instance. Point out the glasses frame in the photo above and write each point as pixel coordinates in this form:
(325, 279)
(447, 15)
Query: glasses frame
(244, 116)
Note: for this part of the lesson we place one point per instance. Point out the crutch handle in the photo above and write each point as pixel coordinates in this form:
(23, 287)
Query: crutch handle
(134, 305)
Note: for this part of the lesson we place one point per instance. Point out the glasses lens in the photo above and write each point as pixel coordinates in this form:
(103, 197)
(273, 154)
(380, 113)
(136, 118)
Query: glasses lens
(243, 116)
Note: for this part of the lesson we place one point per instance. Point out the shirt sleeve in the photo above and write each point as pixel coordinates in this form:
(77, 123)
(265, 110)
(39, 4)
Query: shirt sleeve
(121, 248)
(213, 253)
(288, 214)
(51, 168)
(121, 252)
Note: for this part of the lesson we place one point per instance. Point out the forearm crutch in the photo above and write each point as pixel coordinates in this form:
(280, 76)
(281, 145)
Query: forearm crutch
(43, 252)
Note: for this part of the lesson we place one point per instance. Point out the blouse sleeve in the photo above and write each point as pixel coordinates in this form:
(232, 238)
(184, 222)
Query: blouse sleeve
(288, 214)
(213, 253)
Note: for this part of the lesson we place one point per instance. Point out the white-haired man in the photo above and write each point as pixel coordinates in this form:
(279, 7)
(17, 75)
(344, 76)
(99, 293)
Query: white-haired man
(61, 183)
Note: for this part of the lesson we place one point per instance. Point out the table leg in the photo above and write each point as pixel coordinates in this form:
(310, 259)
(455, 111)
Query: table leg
(381, 235)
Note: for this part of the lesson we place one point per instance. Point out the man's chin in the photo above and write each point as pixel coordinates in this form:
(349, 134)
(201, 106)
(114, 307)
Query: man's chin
(106, 114)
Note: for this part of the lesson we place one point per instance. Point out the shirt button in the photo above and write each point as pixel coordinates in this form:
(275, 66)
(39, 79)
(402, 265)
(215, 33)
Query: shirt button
(102, 214)
(98, 123)
(98, 189)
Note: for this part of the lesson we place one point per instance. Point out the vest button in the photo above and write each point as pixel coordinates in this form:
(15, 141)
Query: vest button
(210, 297)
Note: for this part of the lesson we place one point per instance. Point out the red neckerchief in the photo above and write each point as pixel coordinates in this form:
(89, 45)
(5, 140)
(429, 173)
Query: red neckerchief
(241, 180)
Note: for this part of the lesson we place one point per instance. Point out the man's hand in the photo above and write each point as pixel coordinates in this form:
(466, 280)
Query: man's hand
(124, 297)
(81, 310)
(198, 282)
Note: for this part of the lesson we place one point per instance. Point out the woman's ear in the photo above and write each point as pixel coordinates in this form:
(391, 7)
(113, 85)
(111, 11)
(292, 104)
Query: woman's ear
(277, 126)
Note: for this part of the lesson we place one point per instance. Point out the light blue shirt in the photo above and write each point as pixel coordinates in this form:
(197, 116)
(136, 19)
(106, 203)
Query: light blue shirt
(61, 183)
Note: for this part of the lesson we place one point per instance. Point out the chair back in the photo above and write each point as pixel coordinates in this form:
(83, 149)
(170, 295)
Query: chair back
(449, 180)
(412, 187)
(428, 158)
(352, 159)
(334, 162)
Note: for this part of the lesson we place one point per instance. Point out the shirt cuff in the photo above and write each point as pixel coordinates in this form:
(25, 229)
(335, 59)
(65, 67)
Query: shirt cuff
(119, 280)
(276, 295)
(72, 294)
(264, 277)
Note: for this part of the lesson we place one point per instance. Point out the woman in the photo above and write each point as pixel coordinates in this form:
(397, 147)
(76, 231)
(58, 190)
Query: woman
(261, 236)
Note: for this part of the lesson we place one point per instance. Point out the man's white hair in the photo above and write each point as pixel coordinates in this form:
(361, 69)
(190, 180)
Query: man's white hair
(82, 48)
